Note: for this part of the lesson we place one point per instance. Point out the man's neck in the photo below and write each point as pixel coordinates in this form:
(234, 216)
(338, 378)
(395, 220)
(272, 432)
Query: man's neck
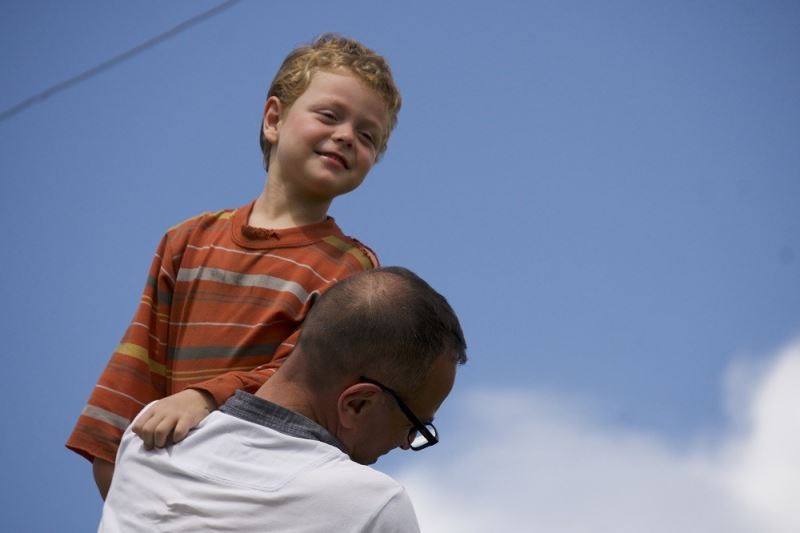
(295, 397)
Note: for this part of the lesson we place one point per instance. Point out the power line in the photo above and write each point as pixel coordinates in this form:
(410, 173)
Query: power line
(116, 60)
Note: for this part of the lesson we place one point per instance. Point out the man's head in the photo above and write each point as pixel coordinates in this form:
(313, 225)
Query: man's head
(386, 343)
(334, 53)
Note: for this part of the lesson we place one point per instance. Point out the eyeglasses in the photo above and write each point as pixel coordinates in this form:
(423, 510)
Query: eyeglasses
(421, 435)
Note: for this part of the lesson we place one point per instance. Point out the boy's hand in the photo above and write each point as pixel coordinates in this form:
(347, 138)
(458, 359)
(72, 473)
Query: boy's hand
(171, 418)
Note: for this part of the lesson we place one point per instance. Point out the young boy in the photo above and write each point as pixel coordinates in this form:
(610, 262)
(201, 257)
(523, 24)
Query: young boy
(227, 291)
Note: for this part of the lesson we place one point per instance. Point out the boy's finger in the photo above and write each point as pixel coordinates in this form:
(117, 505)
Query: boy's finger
(141, 421)
(163, 432)
(147, 433)
(181, 430)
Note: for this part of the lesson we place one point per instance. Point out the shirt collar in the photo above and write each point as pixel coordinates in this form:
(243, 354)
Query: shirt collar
(265, 413)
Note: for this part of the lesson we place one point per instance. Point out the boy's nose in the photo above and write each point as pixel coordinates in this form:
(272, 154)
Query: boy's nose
(343, 134)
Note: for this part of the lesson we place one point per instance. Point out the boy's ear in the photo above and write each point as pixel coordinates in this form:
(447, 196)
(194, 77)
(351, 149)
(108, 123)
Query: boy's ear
(355, 402)
(272, 117)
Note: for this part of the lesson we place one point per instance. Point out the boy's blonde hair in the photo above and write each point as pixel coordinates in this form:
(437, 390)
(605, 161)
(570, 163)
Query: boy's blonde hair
(330, 52)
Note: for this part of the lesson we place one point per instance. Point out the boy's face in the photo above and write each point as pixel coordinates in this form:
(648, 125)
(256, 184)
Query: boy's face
(327, 141)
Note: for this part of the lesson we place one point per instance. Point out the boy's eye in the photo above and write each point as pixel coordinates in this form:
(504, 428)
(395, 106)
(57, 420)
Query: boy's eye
(329, 115)
(368, 137)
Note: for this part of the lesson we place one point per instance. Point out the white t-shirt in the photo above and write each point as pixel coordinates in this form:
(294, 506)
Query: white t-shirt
(234, 473)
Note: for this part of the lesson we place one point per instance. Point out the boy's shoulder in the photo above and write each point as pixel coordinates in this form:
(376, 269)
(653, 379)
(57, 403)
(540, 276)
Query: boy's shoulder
(206, 228)
(363, 254)
(204, 219)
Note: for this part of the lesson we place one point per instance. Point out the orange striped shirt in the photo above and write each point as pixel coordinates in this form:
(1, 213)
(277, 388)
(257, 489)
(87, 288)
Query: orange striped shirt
(220, 311)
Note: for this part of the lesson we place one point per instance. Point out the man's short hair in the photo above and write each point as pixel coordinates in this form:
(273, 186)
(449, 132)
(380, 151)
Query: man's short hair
(331, 52)
(386, 323)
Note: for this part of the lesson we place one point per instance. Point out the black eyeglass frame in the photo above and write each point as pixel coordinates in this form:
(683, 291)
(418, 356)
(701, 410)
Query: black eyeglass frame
(419, 426)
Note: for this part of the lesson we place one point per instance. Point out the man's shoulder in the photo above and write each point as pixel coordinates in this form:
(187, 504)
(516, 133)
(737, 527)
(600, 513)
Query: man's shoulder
(345, 477)
(364, 493)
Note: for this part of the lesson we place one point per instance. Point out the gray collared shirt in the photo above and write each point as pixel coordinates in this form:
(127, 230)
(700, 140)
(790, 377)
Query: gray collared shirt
(265, 413)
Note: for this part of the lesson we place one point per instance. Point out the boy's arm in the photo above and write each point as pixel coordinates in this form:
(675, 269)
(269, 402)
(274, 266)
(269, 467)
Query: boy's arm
(171, 419)
(134, 376)
(103, 472)
(224, 386)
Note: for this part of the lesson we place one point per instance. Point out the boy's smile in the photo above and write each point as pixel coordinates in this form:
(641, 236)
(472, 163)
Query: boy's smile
(336, 159)
(328, 140)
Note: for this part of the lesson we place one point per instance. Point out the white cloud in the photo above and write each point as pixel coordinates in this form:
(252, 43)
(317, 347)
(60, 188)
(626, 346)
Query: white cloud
(535, 463)
(764, 465)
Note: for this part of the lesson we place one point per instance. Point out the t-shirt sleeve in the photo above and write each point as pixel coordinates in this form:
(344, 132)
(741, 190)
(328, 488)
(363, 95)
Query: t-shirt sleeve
(224, 386)
(136, 373)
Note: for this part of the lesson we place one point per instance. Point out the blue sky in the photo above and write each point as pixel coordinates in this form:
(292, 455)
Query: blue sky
(607, 193)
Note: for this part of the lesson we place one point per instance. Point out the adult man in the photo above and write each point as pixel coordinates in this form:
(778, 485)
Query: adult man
(376, 357)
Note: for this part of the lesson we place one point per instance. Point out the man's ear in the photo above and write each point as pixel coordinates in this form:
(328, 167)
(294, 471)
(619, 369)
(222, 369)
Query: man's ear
(356, 402)
(273, 109)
